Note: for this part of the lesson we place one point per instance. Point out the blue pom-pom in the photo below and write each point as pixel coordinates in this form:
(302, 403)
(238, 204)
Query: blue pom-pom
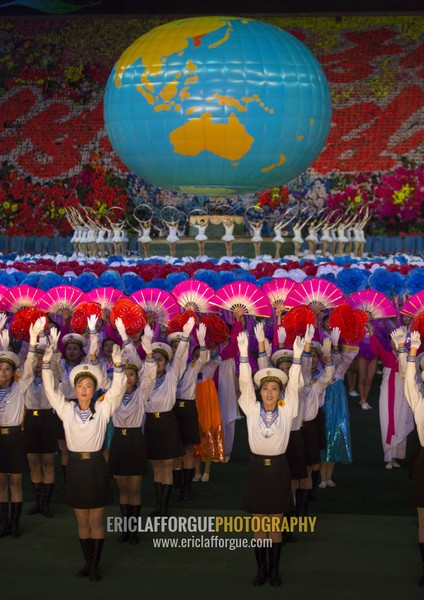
(87, 282)
(174, 278)
(209, 277)
(329, 277)
(262, 280)
(8, 279)
(415, 281)
(32, 279)
(111, 278)
(398, 284)
(159, 283)
(226, 277)
(50, 280)
(132, 283)
(19, 277)
(242, 275)
(381, 281)
(351, 280)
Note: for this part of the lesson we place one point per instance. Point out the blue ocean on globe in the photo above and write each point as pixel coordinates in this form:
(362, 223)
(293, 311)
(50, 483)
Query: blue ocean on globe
(217, 106)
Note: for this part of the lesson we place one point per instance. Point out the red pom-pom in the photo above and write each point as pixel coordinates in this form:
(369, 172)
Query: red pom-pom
(296, 321)
(133, 316)
(22, 320)
(81, 313)
(177, 323)
(350, 321)
(217, 329)
(418, 324)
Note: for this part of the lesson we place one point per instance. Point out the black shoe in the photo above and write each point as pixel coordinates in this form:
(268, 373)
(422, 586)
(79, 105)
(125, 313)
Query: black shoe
(262, 574)
(274, 560)
(164, 501)
(94, 574)
(86, 546)
(36, 508)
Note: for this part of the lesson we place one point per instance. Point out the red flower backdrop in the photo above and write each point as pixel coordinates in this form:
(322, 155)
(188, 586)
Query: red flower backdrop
(54, 151)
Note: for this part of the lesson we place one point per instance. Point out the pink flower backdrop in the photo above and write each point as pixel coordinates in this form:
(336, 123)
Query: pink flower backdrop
(54, 151)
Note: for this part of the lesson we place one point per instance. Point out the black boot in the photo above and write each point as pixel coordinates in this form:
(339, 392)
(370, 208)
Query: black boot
(288, 536)
(421, 579)
(313, 493)
(274, 561)
(15, 514)
(36, 508)
(178, 477)
(188, 475)
(135, 512)
(94, 566)
(158, 493)
(164, 502)
(261, 575)
(86, 546)
(45, 499)
(4, 518)
(125, 513)
(304, 502)
(298, 503)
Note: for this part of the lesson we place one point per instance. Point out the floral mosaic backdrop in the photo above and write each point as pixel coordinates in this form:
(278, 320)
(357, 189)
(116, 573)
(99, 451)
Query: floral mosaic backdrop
(54, 151)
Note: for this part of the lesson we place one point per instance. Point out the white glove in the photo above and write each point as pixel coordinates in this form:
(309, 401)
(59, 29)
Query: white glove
(281, 332)
(35, 329)
(146, 344)
(3, 320)
(335, 336)
(116, 355)
(188, 327)
(5, 340)
(268, 348)
(54, 338)
(243, 344)
(298, 346)
(259, 332)
(148, 333)
(121, 329)
(415, 339)
(398, 336)
(201, 334)
(309, 334)
(91, 323)
(94, 344)
(48, 354)
(326, 347)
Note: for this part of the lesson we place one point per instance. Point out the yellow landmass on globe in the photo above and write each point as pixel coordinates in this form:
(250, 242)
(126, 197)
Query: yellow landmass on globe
(227, 140)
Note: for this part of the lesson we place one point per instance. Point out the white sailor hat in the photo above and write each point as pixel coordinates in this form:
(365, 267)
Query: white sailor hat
(270, 374)
(87, 370)
(317, 347)
(283, 355)
(134, 362)
(174, 337)
(11, 358)
(163, 349)
(74, 338)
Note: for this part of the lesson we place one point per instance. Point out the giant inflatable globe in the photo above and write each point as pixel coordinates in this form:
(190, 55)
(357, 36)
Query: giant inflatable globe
(217, 106)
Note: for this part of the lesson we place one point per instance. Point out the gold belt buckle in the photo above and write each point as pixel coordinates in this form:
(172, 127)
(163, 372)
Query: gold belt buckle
(181, 404)
(35, 413)
(85, 455)
(123, 432)
(267, 462)
(4, 431)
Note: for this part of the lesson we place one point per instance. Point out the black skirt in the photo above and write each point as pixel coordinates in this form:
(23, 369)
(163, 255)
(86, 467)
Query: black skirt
(417, 491)
(188, 421)
(310, 436)
(127, 454)
(162, 436)
(295, 454)
(60, 432)
(13, 457)
(268, 485)
(40, 432)
(87, 482)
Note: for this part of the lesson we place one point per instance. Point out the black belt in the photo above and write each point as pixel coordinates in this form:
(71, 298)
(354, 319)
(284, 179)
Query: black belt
(35, 412)
(181, 403)
(126, 430)
(267, 461)
(159, 415)
(9, 430)
(85, 455)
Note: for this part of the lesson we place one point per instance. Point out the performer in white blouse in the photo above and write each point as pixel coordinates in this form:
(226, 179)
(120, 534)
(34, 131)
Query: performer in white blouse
(13, 461)
(188, 420)
(163, 441)
(85, 420)
(414, 392)
(201, 237)
(228, 238)
(268, 427)
(256, 229)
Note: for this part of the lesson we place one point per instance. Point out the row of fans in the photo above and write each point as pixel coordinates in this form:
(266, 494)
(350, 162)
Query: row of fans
(299, 300)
